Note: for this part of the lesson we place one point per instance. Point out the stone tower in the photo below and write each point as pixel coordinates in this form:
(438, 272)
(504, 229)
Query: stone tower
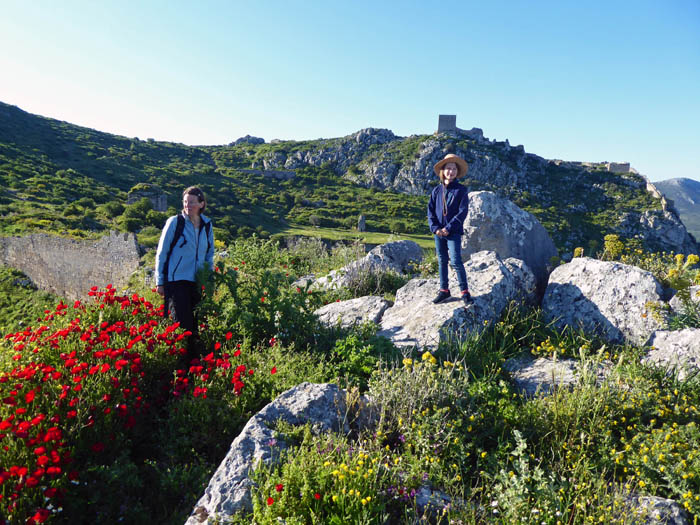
(447, 124)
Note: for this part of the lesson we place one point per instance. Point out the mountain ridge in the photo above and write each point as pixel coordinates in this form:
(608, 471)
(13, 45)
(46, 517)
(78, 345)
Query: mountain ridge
(685, 194)
(44, 161)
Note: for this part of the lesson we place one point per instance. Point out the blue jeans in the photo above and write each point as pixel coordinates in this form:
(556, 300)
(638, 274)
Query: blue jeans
(452, 246)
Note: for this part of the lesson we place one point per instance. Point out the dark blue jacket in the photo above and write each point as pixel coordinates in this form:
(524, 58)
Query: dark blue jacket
(456, 197)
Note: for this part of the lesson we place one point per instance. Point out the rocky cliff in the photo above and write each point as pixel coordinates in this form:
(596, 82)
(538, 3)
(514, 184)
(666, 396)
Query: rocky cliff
(69, 267)
(591, 196)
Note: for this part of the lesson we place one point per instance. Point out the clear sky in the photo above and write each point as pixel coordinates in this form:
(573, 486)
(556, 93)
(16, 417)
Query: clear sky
(596, 80)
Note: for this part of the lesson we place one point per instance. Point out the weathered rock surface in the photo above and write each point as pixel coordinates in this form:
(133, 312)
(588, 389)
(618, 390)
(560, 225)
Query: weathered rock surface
(544, 375)
(660, 229)
(352, 312)
(678, 350)
(392, 256)
(609, 299)
(430, 503)
(68, 267)
(496, 224)
(415, 321)
(159, 200)
(248, 139)
(652, 510)
(676, 303)
(228, 492)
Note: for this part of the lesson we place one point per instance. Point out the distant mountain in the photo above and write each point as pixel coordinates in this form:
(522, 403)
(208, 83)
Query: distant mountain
(685, 194)
(62, 178)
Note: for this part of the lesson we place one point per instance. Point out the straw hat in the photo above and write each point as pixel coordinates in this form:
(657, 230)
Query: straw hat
(462, 166)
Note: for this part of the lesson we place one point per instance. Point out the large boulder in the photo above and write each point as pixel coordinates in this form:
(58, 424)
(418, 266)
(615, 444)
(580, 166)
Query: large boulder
(609, 299)
(496, 224)
(678, 350)
(228, 492)
(395, 256)
(352, 312)
(415, 321)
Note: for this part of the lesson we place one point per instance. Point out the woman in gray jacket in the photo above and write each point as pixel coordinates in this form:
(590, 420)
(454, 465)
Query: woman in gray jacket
(186, 245)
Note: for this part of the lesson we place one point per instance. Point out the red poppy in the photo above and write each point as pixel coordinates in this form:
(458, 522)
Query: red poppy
(229, 335)
(274, 370)
(317, 495)
(270, 500)
(279, 487)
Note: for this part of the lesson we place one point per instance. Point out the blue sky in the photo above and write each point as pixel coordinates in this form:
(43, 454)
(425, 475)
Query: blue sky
(595, 81)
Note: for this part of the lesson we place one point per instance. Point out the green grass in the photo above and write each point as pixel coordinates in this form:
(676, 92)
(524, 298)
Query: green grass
(334, 234)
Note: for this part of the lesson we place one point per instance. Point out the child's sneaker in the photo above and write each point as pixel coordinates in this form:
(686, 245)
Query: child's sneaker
(467, 299)
(441, 296)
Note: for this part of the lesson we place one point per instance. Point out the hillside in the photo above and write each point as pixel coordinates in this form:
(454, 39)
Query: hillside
(72, 180)
(685, 194)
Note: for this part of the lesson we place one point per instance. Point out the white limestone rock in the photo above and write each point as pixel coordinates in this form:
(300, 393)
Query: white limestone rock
(496, 224)
(353, 312)
(676, 303)
(609, 299)
(415, 321)
(678, 350)
(228, 492)
(652, 510)
(393, 256)
(544, 375)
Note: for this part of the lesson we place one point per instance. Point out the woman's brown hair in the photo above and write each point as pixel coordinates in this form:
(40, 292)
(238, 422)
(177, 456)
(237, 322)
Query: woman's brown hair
(194, 190)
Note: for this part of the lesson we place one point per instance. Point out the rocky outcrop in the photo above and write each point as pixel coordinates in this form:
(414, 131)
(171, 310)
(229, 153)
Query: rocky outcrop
(415, 321)
(248, 139)
(323, 406)
(159, 200)
(393, 256)
(678, 351)
(659, 229)
(609, 299)
(69, 267)
(544, 375)
(496, 224)
(347, 314)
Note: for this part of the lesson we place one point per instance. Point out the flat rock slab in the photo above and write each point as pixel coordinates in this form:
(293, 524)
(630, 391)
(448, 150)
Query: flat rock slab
(542, 375)
(355, 311)
(608, 299)
(678, 350)
(414, 321)
(228, 492)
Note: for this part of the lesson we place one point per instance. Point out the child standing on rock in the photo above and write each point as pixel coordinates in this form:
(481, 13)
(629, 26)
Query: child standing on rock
(447, 210)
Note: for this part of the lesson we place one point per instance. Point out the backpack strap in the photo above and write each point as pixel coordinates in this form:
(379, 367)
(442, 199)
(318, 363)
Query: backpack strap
(179, 228)
(207, 231)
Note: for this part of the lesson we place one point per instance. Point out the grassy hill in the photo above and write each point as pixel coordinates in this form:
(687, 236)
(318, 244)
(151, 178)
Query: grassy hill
(75, 181)
(67, 179)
